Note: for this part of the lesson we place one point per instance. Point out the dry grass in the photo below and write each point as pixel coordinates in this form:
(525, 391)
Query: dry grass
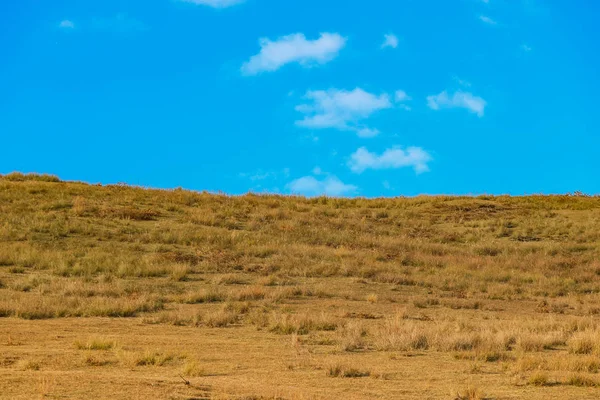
(301, 324)
(353, 337)
(578, 379)
(344, 371)
(32, 365)
(415, 295)
(586, 342)
(539, 378)
(469, 393)
(96, 344)
(193, 369)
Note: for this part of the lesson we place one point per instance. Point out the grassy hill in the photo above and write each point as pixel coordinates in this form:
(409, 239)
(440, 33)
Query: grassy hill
(117, 292)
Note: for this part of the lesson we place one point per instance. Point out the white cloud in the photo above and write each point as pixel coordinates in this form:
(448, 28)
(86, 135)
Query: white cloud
(66, 24)
(120, 23)
(367, 132)
(260, 174)
(257, 176)
(329, 186)
(395, 157)
(342, 109)
(389, 40)
(215, 3)
(294, 49)
(487, 20)
(461, 82)
(459, 99)
(401, 96)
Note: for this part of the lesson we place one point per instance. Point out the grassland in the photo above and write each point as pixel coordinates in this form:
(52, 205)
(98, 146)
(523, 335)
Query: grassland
(116, 292)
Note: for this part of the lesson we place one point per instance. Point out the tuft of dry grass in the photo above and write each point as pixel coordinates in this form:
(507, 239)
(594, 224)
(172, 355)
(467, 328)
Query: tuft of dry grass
(353, 337)
(179, 272)
(397, 333)
(469, 393)
(249, 293)
(146, 358)
(344, 371)
(192, 369)
(220, 319)
(30, 365)
(96, 343)
(94, 360)
(301, 324)
(586, 342)
(205, 296)
(578, 379)
(539, 378)
(532, 342)
(372, 298)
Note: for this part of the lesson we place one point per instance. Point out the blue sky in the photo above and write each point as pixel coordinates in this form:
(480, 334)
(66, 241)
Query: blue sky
(336, 97)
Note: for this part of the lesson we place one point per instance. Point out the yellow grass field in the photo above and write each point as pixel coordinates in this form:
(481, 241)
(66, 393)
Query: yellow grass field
(116, 292)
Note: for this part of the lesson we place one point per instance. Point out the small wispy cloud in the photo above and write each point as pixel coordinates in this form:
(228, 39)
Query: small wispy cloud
(461, 82)
(329, 186)
(390, 40)
(66, 24)
(120, 23)
(215, 3)
(487, 20)
(367, 132)
(261, 175)
(459, 99)
(295, 48)
(401, 98)
(395, 157)
(257, 176)
(341, 109)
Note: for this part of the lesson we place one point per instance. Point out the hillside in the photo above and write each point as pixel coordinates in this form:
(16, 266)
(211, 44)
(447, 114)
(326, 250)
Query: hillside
(113, 292)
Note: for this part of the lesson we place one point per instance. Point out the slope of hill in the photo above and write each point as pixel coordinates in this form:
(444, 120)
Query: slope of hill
(118, 292)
